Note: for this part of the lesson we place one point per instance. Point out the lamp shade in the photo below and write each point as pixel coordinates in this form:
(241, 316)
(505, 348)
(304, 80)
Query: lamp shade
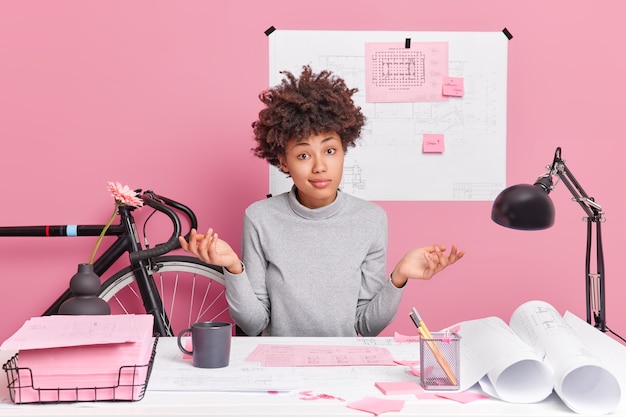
(523, 207)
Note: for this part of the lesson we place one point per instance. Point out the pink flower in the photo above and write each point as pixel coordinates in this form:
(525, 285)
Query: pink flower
(123, 196)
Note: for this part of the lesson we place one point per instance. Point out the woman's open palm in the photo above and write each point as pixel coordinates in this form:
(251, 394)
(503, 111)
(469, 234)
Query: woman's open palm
(210, 248)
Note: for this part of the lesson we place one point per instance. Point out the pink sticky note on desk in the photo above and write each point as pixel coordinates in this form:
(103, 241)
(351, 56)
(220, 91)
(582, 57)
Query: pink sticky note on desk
(399, 387)
(377, 406)
(463, 396)
(188, 346)
(433, 143)
(402, 338)
(453, 86)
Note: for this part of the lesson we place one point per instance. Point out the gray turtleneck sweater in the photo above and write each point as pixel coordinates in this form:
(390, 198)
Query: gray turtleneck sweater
(313, 272)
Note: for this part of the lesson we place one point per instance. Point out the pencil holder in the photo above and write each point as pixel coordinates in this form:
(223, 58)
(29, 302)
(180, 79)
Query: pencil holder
(440, 361)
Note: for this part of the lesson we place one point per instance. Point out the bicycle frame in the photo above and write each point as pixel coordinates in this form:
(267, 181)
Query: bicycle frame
(128, 240)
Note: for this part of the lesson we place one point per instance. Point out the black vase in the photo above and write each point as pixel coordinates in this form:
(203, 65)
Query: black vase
(85, 285)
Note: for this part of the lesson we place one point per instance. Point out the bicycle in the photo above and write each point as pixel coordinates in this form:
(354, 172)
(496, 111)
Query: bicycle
(177, 290)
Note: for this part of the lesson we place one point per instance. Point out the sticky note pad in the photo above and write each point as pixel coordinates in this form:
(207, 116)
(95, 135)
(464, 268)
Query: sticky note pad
(188, 346)
(433, 143)
(399, 387)
(463, 396)
(377, 406)
(453, 86)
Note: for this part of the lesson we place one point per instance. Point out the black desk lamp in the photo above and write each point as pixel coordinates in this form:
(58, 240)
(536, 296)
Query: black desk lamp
(528, 207)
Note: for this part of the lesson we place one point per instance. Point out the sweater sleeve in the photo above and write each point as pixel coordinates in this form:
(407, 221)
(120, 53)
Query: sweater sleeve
(247, 293)
(378, 299)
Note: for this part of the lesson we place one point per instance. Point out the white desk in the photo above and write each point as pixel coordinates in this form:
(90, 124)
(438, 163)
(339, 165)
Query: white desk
(349, 383)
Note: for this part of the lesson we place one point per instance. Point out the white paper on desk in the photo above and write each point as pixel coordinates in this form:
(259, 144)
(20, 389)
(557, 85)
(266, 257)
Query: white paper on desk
(173, 373)
(537, 353)
(580, 379)
(610, 350)
(506, 367)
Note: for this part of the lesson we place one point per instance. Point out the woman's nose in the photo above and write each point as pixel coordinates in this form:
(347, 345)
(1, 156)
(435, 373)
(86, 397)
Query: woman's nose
(319, 166)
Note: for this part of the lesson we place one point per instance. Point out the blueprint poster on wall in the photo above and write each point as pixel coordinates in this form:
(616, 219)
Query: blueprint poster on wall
(435, 104)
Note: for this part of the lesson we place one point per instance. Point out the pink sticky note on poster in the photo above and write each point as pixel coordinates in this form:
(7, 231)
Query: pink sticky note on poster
(433, 143)
(453, 86)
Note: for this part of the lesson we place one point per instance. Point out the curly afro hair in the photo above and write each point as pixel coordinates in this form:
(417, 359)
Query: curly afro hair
(312, 104)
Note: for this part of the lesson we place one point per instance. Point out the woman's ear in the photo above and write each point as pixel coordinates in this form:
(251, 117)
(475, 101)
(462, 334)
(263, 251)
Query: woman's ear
(283, 166)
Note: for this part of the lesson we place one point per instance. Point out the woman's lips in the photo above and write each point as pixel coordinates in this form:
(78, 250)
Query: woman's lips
(320, 183)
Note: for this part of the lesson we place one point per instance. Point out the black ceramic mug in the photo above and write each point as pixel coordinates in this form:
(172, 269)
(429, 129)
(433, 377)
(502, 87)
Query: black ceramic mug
(210, 343)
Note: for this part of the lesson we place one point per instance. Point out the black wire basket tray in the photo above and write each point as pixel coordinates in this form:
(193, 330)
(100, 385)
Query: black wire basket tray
(132, 381)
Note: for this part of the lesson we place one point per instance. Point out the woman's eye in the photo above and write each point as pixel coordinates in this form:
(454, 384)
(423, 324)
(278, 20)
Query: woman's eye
(303, 156)
(331, 151)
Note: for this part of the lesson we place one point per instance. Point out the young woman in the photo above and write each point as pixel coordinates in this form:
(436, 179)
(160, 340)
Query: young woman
(314, 258)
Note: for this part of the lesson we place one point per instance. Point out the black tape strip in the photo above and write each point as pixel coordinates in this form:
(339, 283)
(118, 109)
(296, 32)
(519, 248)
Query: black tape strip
(407, 43)
(269, 30)
(507, 33)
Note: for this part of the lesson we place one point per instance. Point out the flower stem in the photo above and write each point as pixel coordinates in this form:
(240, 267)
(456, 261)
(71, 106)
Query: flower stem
(93, 254)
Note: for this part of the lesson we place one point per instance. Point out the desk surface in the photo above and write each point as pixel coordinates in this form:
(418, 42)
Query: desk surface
(341, 385)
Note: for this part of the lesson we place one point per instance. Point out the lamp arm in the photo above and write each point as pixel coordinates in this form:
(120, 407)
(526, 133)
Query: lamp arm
(595, 283)
(588, 204)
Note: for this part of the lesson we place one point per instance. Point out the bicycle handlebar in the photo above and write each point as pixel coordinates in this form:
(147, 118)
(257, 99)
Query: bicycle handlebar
(163, 204)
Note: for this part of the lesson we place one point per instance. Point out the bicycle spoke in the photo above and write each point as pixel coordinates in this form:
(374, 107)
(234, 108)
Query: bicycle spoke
(166, 318)
(121, 304)
(204, 298)
(211, 305)
(189, 291)
(193, 293)
(175, 290)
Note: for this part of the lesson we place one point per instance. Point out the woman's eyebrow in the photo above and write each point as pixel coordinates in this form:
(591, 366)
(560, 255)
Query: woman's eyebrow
(305, 142)
(329, 139)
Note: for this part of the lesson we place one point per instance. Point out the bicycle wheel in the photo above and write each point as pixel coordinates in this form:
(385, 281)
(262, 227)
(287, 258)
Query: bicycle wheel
(190, 291)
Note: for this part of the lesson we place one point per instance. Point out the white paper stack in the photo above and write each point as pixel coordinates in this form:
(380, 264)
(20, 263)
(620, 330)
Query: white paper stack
(81, 358)
(537, 353)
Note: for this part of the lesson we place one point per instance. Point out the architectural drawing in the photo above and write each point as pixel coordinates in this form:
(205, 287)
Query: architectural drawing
(388, 162)
(396, 73)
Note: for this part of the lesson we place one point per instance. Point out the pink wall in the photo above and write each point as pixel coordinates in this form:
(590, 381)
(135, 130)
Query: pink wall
(161, 94)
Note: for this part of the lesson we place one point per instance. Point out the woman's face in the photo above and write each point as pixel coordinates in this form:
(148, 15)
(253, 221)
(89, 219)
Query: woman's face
(315, 165)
